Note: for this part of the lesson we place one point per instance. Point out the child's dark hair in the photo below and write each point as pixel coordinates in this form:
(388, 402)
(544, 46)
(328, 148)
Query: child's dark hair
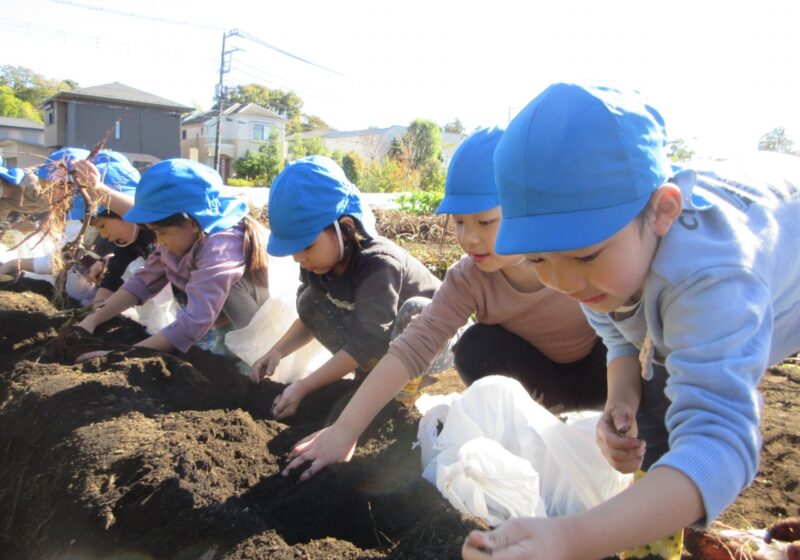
(254, 246)
(352, 236)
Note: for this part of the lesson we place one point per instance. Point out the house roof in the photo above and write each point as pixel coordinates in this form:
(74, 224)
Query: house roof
(235, 109)
(116, 91)
(20, 123)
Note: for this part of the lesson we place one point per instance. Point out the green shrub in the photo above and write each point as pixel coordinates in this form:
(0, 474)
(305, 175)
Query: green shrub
(237, 182)
(421, 202)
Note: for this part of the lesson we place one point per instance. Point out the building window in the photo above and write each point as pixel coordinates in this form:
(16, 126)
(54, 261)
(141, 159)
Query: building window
(261, 132)
(117, 130)
(183, 134)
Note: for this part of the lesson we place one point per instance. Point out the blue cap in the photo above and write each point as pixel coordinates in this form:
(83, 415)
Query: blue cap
(576, 166)
(309, 195)
(182, 186)
(116, 172)
(66, 155)
(470, 187)
(13, 176)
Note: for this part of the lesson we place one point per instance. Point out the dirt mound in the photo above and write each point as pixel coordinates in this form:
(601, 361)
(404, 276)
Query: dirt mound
(178, 457)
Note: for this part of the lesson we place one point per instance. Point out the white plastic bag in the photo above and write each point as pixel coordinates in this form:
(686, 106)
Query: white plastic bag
(556, 462)
(272, 321)
(158, 311)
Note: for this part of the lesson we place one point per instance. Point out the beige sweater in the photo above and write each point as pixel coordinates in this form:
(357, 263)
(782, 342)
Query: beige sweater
(550, 321)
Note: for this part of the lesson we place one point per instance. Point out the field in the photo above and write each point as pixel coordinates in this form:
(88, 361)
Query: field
(140, 455)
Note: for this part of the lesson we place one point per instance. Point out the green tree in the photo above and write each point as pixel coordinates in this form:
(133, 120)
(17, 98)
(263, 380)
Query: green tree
(30, 87)
(421, 142)
(285, 103)
(454, 126)
(680, 150)
(313, 146)
(263, 165)
(12, 106)
(353, 165)
(776, 140)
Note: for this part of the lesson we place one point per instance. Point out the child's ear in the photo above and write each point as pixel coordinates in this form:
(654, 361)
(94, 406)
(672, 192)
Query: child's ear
(666, 203)
(348, 219)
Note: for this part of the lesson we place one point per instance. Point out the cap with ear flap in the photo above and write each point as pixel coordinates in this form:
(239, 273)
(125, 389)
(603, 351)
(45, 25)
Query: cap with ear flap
(309, 195)
(47, 170)
(470, 187)
(182, 186)
(13, 176)
(116, 172)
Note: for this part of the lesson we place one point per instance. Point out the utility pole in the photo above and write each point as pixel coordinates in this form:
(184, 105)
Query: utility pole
(224, 68)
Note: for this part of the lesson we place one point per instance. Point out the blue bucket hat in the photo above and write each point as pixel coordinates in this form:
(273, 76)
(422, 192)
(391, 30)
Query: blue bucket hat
(13, 176)
(470, 187)
(116, 172)
(575, 166)
(67, 155)
(309, 195)
(182, 186)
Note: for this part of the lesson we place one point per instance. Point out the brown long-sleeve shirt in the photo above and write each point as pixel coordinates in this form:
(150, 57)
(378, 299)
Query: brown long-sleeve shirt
(550, 321)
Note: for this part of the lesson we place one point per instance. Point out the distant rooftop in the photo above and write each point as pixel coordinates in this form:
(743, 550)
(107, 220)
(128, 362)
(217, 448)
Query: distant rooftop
(20, 123)
(236, 108)
(120, 92)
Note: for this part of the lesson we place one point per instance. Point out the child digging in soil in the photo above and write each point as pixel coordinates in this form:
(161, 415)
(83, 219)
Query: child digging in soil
(357, 289)
(693, 284)
(129, 241)
(111, 185)
(208, 249)
(524, 330)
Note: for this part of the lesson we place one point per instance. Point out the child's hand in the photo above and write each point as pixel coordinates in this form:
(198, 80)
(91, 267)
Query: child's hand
(88, 324)
(96, 272)
(87, 175)
(522, 538)
(322, 448)
(265, 366)
(616, 437)
(287, 402)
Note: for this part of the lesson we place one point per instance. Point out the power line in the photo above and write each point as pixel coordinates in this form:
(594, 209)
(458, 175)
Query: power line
(91, 41)
(243, 34)
(263, 43)
(135, 15)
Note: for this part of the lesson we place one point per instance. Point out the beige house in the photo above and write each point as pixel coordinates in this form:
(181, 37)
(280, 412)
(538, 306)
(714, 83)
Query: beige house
(245, 127)
(21, 142)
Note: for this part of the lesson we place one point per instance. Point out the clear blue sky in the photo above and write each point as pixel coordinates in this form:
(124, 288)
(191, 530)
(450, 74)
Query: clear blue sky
(722, 73)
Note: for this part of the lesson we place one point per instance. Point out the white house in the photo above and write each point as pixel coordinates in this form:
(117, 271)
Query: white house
(245, 127)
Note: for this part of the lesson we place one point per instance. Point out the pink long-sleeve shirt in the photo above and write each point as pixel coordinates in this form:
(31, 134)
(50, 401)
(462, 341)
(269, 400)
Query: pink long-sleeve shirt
(550, 321)
(205, 273)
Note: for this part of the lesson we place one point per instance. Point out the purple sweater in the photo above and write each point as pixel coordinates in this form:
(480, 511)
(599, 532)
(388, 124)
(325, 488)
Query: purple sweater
(205, 273)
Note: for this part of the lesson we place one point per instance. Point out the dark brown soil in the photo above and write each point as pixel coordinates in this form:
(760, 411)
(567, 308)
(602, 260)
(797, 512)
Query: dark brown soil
(178, 458)
(143, 455)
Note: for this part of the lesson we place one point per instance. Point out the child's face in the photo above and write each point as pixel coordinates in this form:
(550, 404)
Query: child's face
(177, 239)
(603, 276)
(476, 233)
(321, 256)
(113, 229)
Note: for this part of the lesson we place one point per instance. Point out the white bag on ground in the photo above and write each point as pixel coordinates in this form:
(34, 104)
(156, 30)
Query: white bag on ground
(543, 462)
(158, 311)
(273, 320)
